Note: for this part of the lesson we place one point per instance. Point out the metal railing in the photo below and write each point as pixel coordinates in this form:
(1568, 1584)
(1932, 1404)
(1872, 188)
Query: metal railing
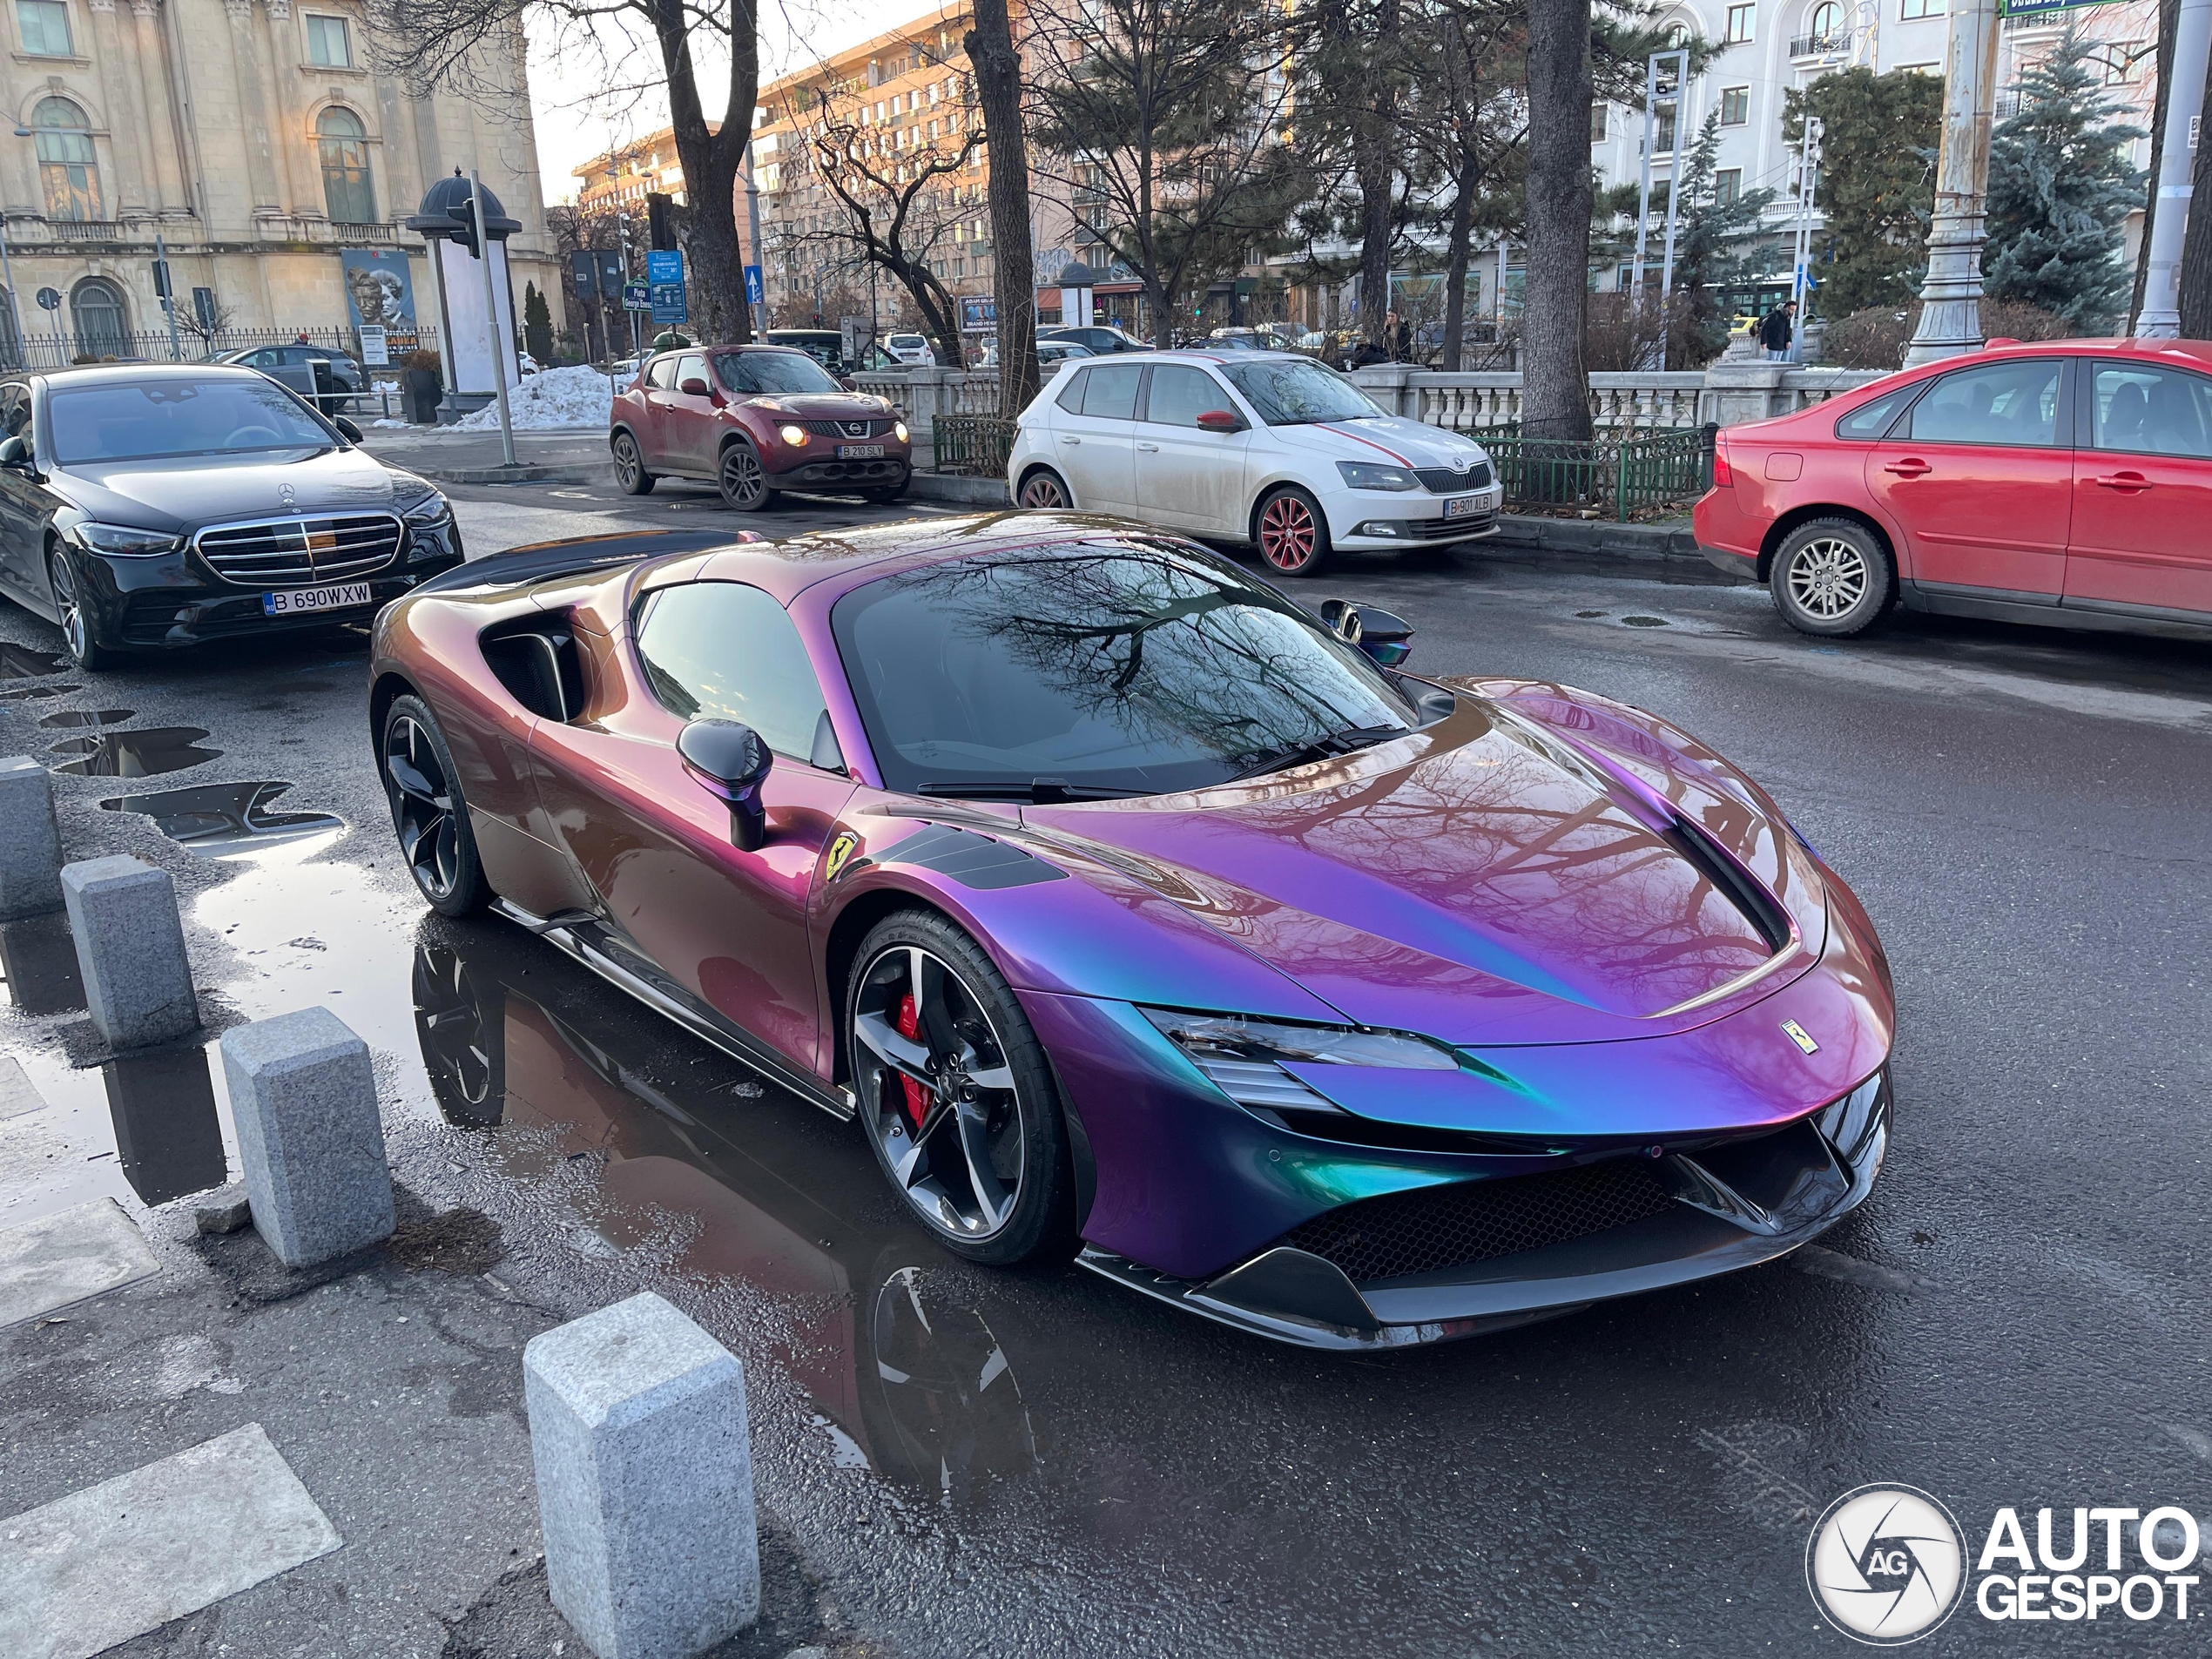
(1628, 473)
(1819, 45)
(977, 445)
(60, 347)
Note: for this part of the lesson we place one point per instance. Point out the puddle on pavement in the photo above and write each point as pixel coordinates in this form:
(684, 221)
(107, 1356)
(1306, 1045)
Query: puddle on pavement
(72, 717)
(226, 820)
(135, 754)
(26, 693)
(167, 1135)
(21, 663)
(38, 964)
(563, 1076)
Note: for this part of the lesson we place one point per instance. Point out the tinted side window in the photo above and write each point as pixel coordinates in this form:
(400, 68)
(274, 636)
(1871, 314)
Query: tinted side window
(720, 651)
(2153, 411)
(1109, 391)
(1180, 395)
(662, 375)
(1071, 395)
(1870, 420)
(1999, 403)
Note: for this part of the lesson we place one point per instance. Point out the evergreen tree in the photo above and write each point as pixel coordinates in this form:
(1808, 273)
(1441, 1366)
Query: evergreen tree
(2060, 189)
(537, 324)
(1877, 185)
(1714, 242)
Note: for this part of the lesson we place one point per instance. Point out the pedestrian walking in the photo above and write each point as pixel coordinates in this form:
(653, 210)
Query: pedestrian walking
(1777, 329)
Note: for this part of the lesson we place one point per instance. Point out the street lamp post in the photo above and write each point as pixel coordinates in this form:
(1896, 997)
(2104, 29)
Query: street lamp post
(2161, 317)
(1950, 297)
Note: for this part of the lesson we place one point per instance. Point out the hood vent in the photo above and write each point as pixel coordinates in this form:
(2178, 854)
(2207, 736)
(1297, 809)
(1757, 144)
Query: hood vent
(1754, 902)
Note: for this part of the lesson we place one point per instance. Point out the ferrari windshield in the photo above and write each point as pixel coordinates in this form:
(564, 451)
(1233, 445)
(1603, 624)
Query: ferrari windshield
(1098, 669)
(1297, 391)
(159, 417)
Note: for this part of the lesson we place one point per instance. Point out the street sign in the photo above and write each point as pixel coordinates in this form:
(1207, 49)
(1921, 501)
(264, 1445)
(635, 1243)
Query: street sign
(614, 271)
(49, 299)
(979, 313)
(2039, 8)
(664, 278)
(374, 352)
(753, 290)
(584, 265)
(856, 332)
(633, 297)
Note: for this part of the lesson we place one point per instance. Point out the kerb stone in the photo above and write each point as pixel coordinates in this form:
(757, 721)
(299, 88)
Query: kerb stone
(130, 951)
(644, 1481)
(31, 848)
(303, 1097)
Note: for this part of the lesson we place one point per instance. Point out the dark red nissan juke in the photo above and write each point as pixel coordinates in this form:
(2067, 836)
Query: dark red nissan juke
(756, 420)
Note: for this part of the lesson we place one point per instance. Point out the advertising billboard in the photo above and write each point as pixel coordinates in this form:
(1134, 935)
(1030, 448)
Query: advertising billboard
(379, 290)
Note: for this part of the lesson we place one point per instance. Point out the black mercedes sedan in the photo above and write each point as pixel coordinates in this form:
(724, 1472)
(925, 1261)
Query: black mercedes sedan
(155, 505)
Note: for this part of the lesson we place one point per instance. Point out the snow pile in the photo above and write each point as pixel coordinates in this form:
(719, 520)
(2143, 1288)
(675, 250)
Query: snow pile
(581, 396)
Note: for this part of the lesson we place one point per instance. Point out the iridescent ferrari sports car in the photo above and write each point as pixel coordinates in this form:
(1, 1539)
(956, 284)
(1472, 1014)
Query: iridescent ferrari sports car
(1131, 907)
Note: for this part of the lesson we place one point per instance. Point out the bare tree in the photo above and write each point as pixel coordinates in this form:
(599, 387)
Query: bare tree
(474, 47)
(1554, 399)
(1166, 121)
(997, 63)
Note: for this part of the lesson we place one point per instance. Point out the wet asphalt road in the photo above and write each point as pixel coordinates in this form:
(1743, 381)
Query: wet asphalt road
(1037, 1462)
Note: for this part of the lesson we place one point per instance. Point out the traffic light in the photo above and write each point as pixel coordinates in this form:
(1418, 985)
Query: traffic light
(661, 236)
(463, 214)
(161, 278)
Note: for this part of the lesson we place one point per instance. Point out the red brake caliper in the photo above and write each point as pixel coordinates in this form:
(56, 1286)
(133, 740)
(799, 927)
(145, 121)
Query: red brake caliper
(909, 1024)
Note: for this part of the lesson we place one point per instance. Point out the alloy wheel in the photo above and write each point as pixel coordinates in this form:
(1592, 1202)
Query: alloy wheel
(744, 486)
(1044, 493)
(423, 806)
(75, 629)
(1828, 578)
(937, 1093)
(1287, 533)
(626, 463)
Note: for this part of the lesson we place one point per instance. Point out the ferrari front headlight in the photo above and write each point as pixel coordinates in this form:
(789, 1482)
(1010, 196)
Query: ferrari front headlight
(1244, 1057)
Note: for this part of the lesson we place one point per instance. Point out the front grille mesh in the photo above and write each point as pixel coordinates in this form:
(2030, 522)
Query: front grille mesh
(850, 430)
(288, 551)
(1442, 481)
(1435, 1228)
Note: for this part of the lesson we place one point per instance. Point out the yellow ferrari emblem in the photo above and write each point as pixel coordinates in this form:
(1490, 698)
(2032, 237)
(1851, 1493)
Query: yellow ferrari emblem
(1799, 1036)
(840, 849)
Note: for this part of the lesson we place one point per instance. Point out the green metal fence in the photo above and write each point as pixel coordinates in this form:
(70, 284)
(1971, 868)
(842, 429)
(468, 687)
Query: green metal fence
(975, 444)
(1641, 469)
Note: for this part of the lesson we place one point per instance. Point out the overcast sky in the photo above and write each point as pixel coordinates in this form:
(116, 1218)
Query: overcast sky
(586, 99)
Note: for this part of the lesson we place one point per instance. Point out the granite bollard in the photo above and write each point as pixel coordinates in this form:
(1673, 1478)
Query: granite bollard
(644, 1481)
(303, 1096)
(31, 848)
(130, 951)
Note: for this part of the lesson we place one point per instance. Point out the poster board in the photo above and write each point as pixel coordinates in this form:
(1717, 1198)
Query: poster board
(468, 360)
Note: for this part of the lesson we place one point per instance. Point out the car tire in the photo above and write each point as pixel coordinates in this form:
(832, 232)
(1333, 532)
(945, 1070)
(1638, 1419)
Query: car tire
(631, 476)
(744, 480)
(80, 627)
(1833, 578)
(1292, 532)
(928, 1151)
(429, 810)
(1045, 491)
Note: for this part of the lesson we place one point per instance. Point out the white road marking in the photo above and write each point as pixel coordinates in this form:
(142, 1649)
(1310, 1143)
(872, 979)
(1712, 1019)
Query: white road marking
(58, 1259)
(115, 1561)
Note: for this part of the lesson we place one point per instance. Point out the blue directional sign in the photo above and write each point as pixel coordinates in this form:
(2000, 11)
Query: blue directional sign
(635, 297)
(664, 280)
(752, 285)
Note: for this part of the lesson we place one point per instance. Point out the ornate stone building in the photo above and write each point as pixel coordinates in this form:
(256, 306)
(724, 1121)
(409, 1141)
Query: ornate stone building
(259, 140)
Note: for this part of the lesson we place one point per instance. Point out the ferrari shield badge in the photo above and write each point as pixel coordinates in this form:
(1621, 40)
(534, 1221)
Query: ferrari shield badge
(839, 851)
(1791, 1028)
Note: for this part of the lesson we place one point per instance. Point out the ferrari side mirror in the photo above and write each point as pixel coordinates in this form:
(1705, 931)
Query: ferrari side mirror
(729, 759)
(1388, 638)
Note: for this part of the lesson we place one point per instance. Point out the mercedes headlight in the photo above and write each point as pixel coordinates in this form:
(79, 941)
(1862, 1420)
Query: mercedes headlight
(1244, 1057)
(793, 435)
(433, 509)
(125, 541)
(1372, 475)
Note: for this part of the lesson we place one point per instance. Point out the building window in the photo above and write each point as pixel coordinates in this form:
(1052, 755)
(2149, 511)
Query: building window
(327, 44)
(1827, 25)
(1728, 185)
(97, 309)
(1739, 24)
(1736, 106)
(2123, 59)
(1597, 123)
(1909, 10)
(67, 167)
(45, 28)
(347, 191)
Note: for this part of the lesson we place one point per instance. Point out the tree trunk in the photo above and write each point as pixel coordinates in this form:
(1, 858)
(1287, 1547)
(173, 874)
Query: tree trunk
(1456, 257)
(2169, 13)
(714, 264)
(2197, 247)
(1370, 159)
(1014, 279)
(1554, 399)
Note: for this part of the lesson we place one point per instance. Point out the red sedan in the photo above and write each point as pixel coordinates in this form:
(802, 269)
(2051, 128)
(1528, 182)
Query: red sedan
(756, 420)
(2067, 483)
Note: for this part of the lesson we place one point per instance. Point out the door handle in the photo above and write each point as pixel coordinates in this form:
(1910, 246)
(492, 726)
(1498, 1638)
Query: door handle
(1069, 438)
(1150, 448)
(1910, 467)
(2127, 481)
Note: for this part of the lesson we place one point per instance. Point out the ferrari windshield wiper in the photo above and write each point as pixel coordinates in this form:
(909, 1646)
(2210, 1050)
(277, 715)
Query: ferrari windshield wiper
(1038, 792)
(1328, 748)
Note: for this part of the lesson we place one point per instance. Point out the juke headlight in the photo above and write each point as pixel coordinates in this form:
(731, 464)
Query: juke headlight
(125, 541)
(899, 431)
(1243, 1057)
(793, 435)
(1373, 474)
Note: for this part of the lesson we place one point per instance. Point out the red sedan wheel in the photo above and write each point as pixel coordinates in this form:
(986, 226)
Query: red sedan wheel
(1293, 539)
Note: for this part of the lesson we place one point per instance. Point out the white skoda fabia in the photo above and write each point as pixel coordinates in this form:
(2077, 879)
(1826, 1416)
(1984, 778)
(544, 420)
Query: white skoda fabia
(1266, 448)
